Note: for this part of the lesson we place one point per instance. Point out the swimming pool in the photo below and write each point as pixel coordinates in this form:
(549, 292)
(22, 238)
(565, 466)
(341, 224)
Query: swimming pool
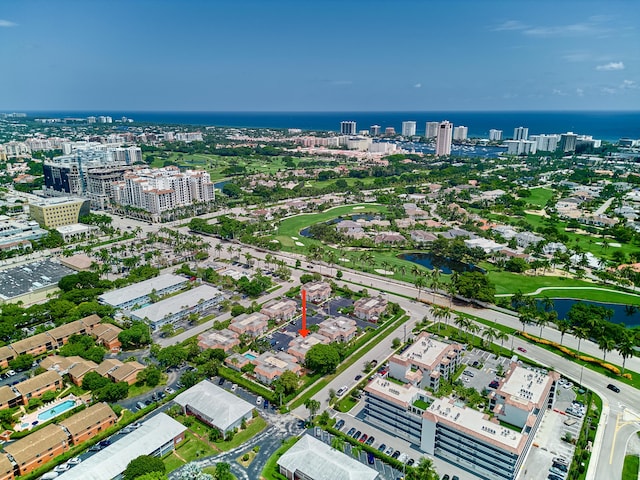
(56, 410)
(249, 356)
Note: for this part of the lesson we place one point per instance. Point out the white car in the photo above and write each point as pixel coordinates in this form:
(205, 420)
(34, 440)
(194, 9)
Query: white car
(259, 401)
(342, 391)
(74, 461)
(234, 387)
(11, 373)
(63, 467)
(169, 390)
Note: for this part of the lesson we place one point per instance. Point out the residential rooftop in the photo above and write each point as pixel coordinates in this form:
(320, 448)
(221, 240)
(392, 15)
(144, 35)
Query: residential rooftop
(177, 303)
(141, 289)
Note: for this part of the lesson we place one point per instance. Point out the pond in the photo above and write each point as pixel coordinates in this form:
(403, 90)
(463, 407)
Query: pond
(627, 314)
(354, 218)
(445, 265)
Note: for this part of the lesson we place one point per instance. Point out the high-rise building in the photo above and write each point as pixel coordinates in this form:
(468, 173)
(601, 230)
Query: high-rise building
(431, 129)
(546, 143)
(568, 142)
(375, 130)
(521, 133)
(495, 135)
(520, 147)
(460, 133)
(408, 128)
(389, 131)
(443, 139)
(348, 128)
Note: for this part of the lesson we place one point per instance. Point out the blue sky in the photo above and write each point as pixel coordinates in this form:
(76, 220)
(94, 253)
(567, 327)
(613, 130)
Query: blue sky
(319, 55)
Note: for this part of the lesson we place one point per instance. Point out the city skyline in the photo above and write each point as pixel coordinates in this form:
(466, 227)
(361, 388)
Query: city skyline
(287, 56)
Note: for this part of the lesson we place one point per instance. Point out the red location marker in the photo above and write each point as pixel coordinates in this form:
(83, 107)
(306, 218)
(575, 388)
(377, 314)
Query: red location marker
(303, 331)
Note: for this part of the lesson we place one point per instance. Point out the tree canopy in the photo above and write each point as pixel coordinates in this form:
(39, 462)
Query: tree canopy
(322, 358)
(143, 465)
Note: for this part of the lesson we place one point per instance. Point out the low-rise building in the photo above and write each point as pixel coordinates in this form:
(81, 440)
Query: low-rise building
(370, 308)
(525, 239)
(75, 367)
(6, 355)
(253, 324)
(236, 361)
(173, 309)
(34, 345)
(339, 329)
(157, 437)
(311, 459)
(422, 236)
(214, 406)
(141, 293)
(425, 362)
(317, 291)
(89, 422)
(6, 468)
(106, 335)
(117, 371)
(9, 398)
(37, 448)
(270, 366)
(301, 345)
(224, 339)
(280, 310)
(35, 387)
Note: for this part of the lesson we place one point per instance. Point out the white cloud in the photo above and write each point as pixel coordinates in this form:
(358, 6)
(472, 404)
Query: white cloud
(611, 66)
(609, 90)
(341, 82)
(510, 25)
(7, 23)
(417, 85)
(580, 92)
(628, 85)
(559, 92)
(624, 86)
(575, 29)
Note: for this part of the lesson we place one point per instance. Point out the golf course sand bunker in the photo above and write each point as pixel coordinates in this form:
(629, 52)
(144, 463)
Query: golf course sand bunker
(383, 272)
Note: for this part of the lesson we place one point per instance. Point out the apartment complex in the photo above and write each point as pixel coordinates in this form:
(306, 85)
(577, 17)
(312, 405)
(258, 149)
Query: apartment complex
(447, 428)
(279, 310)
(56, 212)
(157, 190)
(253, 324)
(425, 362)
(443, 138)
(370, 308)
(140, 294)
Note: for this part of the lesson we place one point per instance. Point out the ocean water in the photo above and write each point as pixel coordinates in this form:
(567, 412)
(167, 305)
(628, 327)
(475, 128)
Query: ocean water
(603, 125)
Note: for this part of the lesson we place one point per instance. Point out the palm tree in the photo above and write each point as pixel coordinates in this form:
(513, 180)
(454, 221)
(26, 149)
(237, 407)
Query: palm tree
(542, 322)
(489, 334)
(626, 349)
(338, 444)
(502, 336)
(435, 285)
(473, 329)
(563, 327)
(313, 406)
(606, 344)
(419, 284)
(580, 333)
(461, 322)
(525, 319)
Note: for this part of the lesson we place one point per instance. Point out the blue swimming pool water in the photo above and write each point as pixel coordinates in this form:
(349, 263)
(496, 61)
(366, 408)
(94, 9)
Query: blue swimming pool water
(249, 356)
(56, 410)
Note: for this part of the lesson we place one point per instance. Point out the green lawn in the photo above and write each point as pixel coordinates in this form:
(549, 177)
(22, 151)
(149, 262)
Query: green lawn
(270, 471)
(290, 227)
(191, 448)
(630, 468)
(254, 427)
(539, 196)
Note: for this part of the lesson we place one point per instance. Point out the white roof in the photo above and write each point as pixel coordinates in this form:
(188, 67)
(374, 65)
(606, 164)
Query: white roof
(113, 460)
(175, 304)
(319, 461)
(222, 407)
(131, 292)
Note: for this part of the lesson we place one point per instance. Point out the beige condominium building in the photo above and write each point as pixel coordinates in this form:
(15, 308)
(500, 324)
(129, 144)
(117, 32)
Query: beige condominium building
(55, 212)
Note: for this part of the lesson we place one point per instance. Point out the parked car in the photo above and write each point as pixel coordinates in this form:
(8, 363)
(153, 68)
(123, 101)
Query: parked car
(469, 373)
(351, 431)
(553, 476)
(371, 459)
(494, 384)
(265, 405)
(396, 454)
(234, 387)
(356, 435)
(382, 447)
(74, 461)
(411, 462)
(558, 472)
(445, 476)
(259, 401)
(363, 438)
(342, 390)
(169, 390)
(63, 467)
(560, 466)
(389, 451)
(358, 377)
(221, 381)
(140, 405)
(370, 440)
(339, 424)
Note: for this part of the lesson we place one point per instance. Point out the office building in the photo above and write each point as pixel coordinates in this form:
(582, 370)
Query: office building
(460, 133)
(521, 133)
(495, 135)
(375, 130)
(443, 139)
(568, 142)
(139, 294)
(348, 128)
(55, 212)
(431, 129)
(408, 128)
